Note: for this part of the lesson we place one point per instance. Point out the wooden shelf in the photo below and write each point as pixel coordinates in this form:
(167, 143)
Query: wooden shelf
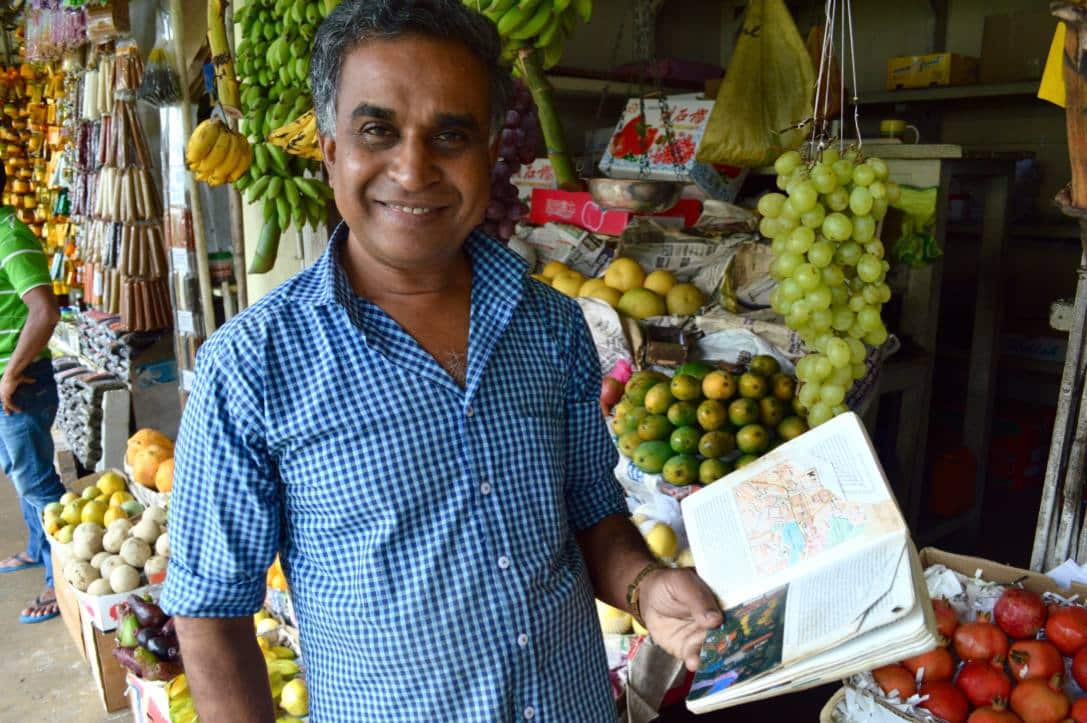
(953, 92)
(570, 85)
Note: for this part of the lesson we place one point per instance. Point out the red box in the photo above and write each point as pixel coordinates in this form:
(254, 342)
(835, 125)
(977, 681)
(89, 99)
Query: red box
(578, 209)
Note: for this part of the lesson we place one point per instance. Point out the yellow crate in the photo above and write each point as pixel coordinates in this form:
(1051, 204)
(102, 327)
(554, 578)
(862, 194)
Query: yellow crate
(922, 71)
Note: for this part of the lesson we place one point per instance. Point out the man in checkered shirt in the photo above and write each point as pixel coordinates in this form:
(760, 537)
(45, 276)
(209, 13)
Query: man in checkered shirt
(412, 424)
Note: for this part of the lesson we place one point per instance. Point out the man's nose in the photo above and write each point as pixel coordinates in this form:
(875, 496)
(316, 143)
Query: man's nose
(413, 167)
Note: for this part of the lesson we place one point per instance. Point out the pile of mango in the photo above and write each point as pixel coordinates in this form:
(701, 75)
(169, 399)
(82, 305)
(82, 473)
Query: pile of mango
(704, 422)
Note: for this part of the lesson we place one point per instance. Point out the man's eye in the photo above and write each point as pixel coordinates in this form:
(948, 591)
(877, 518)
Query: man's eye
(452, 138)
(375, 132)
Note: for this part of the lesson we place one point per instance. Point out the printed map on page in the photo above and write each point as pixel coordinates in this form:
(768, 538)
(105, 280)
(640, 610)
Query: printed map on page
(789, 515)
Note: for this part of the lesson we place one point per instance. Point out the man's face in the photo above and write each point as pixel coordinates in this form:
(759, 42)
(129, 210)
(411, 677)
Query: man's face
(411, 157)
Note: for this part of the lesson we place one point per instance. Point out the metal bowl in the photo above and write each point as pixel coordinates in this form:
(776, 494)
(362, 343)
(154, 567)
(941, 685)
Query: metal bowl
(637, 195)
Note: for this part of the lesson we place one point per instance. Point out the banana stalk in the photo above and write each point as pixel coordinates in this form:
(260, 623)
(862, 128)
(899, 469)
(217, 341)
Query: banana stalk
(528, 62)
(225, 79)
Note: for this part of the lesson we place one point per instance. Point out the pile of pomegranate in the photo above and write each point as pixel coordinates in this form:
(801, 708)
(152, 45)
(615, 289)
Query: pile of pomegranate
(1007, 667)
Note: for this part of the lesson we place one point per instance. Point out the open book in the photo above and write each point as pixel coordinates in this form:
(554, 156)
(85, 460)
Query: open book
(812, 562)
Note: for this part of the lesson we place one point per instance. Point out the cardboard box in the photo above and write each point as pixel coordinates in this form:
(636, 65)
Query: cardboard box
(637, 153)
(577, 208)
(997, 572)
(101, 611)
(1014, 46)
(922, 71)
(148, 699)
(109, 675)
(538, 174)
(66, 601)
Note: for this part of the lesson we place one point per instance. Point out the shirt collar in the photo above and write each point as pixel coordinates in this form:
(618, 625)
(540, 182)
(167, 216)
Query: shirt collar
(496, 272)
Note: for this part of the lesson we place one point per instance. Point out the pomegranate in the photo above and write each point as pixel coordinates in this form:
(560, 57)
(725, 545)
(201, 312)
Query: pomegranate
(1035, 659)
(1067, 628)
(982, 682)
(1020, 613)
(946, 619)
(1079, 668)
(938, 664)
(896, 678)
(1079, 711)
(996, 713)
(1040, 701)
(980, 640)
(945, 701)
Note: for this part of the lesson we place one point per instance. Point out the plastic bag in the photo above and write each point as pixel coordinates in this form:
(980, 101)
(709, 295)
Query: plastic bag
(917, 245)
(769, 87)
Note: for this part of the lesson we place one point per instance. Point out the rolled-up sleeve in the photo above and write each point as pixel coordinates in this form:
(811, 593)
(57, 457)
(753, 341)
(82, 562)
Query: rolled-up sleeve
(225, 509)
(592, 492)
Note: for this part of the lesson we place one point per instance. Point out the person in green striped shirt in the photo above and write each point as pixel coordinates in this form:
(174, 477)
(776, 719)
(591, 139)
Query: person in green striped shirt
(28, 395)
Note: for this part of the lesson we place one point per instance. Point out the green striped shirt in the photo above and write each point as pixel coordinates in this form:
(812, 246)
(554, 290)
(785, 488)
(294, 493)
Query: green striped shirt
(22, 267)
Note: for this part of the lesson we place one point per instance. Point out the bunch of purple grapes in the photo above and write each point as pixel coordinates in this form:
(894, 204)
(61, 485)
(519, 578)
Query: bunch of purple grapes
(517, 145)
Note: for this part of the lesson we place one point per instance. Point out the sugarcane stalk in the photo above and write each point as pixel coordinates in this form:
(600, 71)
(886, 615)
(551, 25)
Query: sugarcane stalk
(222, 58)
(528, 62)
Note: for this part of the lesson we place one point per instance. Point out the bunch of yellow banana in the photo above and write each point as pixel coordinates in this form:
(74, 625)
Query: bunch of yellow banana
(543, 24)
(299, 137)
(217, 154)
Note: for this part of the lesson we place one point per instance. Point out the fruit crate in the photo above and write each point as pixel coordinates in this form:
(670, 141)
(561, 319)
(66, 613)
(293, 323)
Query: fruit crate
(834, 710)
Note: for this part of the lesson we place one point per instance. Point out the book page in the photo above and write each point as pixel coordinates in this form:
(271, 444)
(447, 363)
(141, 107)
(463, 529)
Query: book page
(820, 497)
(819, 615)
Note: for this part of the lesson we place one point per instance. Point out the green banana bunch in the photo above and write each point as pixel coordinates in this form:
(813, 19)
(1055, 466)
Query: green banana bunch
(272, 62)
(541, 24)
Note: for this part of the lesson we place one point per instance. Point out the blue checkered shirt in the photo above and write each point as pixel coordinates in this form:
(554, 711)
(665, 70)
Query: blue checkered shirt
(426, 530)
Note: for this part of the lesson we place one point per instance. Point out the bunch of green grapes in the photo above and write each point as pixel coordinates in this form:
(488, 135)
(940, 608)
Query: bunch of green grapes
(830, 268)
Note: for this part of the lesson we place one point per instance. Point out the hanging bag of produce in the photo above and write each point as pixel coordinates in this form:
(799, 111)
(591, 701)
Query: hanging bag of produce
(768, 88)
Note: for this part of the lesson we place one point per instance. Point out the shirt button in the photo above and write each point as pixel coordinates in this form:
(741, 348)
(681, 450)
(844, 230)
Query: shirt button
(522, 640)
(485, 488)
(530, 713)
(469, 411)
(503, 562)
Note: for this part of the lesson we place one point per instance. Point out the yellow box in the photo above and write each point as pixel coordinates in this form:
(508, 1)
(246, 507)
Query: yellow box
(922, 71)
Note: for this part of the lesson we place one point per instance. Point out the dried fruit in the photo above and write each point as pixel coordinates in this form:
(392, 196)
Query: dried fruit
(1040, 701)
(938, 664)
(983, 682)
(1034, 659)
(945, 701)
(1020, 613)
(1067, 628)
(946, 619)
(892, 678)
(980, 640)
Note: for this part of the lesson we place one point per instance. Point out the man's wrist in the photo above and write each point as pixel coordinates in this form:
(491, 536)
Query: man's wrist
(637, 587)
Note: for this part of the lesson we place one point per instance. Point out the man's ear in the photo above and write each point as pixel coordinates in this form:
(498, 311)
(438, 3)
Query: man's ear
(328, 150)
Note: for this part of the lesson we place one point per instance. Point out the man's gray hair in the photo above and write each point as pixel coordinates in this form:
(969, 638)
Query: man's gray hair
(354, 22)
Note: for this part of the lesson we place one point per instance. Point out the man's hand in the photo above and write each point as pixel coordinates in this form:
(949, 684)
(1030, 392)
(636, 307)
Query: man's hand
(8, 385)
(679, 609)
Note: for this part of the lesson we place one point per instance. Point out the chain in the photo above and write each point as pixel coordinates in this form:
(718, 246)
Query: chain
(607, 87)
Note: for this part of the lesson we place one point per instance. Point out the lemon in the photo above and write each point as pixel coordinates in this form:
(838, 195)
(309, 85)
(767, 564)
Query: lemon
(660, 281)
(661, 540)
(110, 483)
(114, 513)
(119, 498)
(686, 558)
(568, 282)
(590, 286)
(91, 493)
(94, 511)
(64, 534)
(639, 303)
(295, 699)
(68, 498)
(624, 274)
(52, 526)
(608, 295)
(613, 620)
(70, 514)
(684, 300)
(638, 628)
(553, 269)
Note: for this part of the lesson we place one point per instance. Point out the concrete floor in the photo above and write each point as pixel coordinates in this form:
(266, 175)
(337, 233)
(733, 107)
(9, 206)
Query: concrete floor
(43, 674)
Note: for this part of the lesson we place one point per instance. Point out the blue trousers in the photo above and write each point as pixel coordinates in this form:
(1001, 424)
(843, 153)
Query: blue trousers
(26, 455)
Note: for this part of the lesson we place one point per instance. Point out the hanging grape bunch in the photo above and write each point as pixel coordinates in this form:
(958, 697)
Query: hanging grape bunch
(830, 268)
(517, 146)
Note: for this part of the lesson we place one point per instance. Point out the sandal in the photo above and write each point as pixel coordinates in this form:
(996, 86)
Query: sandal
(50, 608)
(19, 561)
